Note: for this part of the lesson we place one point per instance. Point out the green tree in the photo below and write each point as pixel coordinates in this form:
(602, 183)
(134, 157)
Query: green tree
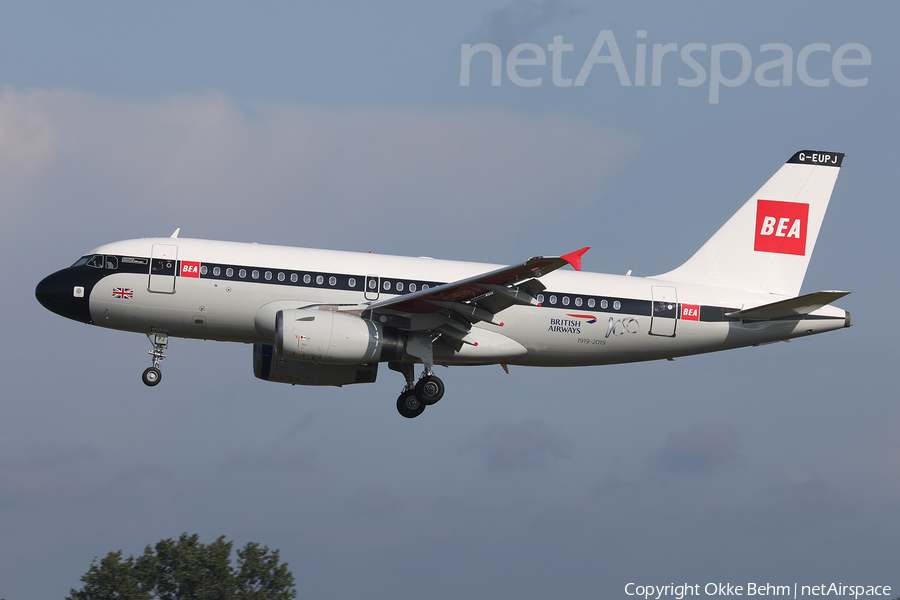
(188, 569)
(112, 578)
(260, 576)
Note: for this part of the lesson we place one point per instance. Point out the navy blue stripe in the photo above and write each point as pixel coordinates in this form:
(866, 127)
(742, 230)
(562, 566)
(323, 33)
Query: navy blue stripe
(629, 306)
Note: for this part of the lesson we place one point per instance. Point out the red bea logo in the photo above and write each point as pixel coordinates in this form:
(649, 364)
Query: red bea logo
(190, 269)
(690, 312)
(781, 227)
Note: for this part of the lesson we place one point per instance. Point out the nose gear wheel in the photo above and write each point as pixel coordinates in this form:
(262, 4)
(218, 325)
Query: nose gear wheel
(151, 376)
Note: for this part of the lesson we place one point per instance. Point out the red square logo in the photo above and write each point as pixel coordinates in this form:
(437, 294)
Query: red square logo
(190, 269)
(690, 312)
(781, 227)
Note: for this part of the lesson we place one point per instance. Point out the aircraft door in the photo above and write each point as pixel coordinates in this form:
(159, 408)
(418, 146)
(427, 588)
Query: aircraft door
(162, 268)
(373, 283)
(665, 311)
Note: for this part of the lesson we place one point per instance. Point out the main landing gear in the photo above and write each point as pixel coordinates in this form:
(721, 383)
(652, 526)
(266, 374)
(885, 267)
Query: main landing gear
(417, 395)
(152, 375)
(429, 389)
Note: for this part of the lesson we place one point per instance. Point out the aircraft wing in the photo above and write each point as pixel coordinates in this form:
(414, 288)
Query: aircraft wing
(453, 307)
(792, 307)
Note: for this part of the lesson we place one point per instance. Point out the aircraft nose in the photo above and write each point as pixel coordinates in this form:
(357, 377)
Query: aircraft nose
(66, 293)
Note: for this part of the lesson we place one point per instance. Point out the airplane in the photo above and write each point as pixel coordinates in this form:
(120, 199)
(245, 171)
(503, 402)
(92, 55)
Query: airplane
(323, 317)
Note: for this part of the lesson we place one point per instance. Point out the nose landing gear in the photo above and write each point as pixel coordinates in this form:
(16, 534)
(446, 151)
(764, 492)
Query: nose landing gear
(152, 375)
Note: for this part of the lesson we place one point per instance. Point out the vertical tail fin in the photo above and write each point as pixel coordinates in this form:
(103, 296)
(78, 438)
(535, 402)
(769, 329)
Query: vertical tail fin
(766, 245)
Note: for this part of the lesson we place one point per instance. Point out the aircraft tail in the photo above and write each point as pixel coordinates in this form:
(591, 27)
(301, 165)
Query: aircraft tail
(766, 245)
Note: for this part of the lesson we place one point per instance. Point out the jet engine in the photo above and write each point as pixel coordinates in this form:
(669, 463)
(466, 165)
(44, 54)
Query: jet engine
(330, 337)
(268, 366)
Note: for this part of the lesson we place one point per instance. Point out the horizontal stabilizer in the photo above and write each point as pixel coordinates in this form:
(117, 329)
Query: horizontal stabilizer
(793, 307)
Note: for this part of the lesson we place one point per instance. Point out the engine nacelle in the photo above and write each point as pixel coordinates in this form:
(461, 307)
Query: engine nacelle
(268, 366)
(330, 337)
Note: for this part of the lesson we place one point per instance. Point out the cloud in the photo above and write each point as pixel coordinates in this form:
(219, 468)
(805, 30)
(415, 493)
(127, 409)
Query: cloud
(374, 502)
(202, 163)
(301, 424)
(701, 449)
(27, 137)
(48, 475)
(524, 446)
(28, 143)
(293, 463)
(517, 22)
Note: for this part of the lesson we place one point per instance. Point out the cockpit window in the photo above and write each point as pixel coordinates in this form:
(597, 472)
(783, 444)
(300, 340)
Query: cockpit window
(112, 262)
(81, 261)
(95, 261)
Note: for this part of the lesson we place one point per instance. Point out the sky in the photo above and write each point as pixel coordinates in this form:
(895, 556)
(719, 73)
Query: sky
(351, 126)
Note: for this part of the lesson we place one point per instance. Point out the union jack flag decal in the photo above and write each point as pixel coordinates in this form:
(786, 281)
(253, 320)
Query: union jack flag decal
(126, 293)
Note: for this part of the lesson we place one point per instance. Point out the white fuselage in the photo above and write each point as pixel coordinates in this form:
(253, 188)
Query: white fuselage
(583, 319)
